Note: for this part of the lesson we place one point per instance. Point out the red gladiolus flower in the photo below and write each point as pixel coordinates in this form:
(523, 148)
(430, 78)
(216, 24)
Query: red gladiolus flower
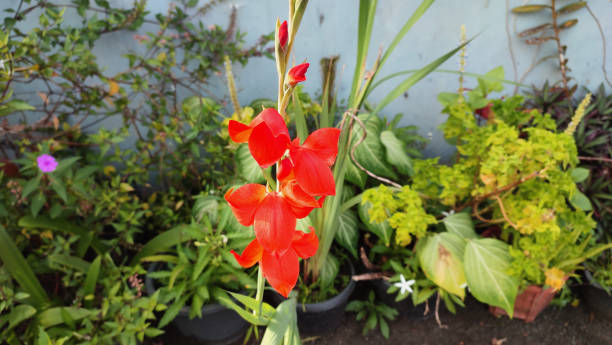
(267, 136)
(283, 34)
(312, 161)
(272, 214)
(297, 74)
(280, 269)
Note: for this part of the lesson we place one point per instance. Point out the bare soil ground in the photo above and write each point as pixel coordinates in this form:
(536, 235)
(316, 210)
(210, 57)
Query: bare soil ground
(471, 325)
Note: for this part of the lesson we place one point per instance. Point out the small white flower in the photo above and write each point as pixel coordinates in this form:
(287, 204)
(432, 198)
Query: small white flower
(2, 64)
(463, 286)
(449, 213)
(405, 285)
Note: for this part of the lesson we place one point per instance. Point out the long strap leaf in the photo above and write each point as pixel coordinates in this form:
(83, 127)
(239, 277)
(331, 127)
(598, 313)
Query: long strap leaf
(19, 269)
(415, 78)
(164, 241)
(367, 10)
(64, 226)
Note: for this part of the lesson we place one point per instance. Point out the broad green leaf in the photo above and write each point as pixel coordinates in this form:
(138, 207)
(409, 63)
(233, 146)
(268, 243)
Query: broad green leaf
(53, 316)
(205, 205)
(529, 8)
(64, 164)
(579, 174)
(382, 230)
(283, 319)
(329, 270)
(581, 201)
(58, 186)
(486, 263)
(17, 266)
(370, 153)
(440, 257)
(460, 224)
(20, 313)
(347, 234)
(395, 152)
(355, 175)
(247, 167)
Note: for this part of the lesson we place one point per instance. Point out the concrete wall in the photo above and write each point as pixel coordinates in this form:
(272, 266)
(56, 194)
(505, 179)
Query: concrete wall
(330, 28)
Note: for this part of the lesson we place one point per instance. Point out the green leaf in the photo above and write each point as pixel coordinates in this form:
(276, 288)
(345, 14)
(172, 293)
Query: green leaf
(164, 241)
(63, 226)
(17, 266)
(247, 166)
(396, 154)
(579, 174)
(329, 270)
(53, 316)
(19, 314)
(89, 286)
(415, 78)
(347, 234)
(283, 320)
(223, 299)
(384, 327)
(252, 303)
(367, 11)
(38, 201)
(69, 261)
(575, 6)
(486, 262)
(30, 186)
(59, 188)
(529, 8)
(13, 106)
(581, 201)
(441, 258)
(205, 205)
(64, 164)
(355, 175)
(460, 224)
(173, 311)
(382, 230)
(370, 152)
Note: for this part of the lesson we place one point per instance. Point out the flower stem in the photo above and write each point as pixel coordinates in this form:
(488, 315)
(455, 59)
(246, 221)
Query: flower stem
(260, 290)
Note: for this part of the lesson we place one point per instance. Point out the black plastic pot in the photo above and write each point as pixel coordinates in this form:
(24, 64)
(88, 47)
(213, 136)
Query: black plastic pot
(323, 317)
(596, 298)
(404, 307)
(217, 326)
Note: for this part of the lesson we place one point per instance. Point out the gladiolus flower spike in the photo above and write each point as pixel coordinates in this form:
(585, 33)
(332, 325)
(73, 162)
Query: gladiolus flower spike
(297, 74)
(283, 35)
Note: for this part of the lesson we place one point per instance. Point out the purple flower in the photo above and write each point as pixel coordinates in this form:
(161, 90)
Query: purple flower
(46, 163)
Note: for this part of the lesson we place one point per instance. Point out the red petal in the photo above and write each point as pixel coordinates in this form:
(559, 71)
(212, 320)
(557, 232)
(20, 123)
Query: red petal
(324, 143)
(275, 122)
(274, 223)
(285, 170)
(251, 254)
(301, 202)
(305, 244)
(281, 270)
(312, 173)
(283, 34)
(269, 139)
(297, 74)
(238, 131)
(245, 200)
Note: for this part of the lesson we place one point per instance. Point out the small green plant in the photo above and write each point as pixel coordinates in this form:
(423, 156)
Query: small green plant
(198, 271)
(375, 314)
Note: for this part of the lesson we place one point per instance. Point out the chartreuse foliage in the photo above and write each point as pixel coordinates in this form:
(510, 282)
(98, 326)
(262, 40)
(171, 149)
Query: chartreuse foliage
(515, 172)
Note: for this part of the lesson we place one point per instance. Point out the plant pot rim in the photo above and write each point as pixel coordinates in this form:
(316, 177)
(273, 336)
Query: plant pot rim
(336, 300)
(592, 281)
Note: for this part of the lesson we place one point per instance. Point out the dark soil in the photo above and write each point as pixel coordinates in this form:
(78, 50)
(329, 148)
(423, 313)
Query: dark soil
(471, 325)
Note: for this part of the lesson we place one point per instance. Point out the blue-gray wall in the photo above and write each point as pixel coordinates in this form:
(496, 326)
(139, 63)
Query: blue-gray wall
(330, 28)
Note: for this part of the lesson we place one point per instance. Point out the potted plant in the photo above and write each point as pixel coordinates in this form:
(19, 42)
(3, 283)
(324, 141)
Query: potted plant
(593, 141)
(191, 276)
(515, 172)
